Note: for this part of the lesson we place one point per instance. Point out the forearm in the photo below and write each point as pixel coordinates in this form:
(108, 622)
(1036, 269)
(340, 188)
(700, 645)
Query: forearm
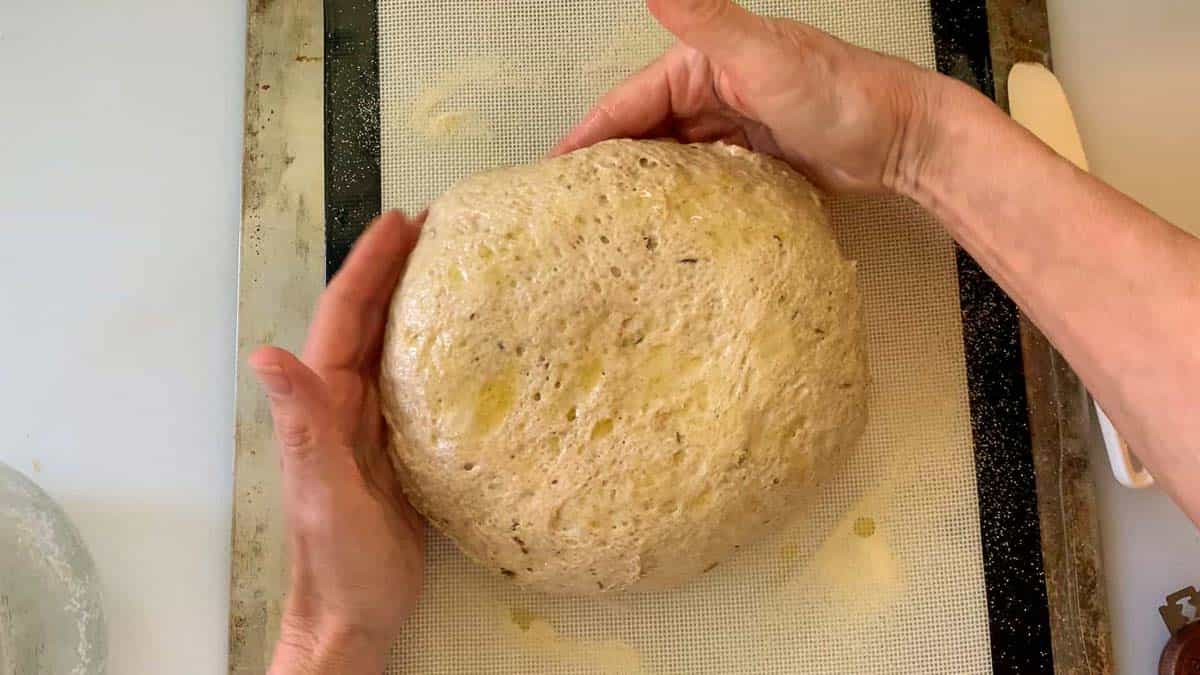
(1115, 287)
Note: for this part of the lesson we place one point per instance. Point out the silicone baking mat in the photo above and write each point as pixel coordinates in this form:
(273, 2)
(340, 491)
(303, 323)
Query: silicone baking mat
(922, 556)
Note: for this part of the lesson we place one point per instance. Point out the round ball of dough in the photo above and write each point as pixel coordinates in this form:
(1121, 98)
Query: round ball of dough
(611, 369)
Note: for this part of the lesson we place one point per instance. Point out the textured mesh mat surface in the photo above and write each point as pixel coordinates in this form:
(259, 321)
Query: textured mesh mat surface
(886, 576)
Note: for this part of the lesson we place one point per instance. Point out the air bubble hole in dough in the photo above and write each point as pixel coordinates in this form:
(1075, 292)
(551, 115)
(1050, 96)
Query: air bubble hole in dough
(610, 370)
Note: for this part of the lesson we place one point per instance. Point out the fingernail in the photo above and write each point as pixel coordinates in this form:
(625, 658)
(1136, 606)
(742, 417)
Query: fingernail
(274, 380)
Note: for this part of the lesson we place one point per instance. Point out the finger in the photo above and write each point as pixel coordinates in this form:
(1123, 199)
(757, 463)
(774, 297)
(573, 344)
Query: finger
(374, 264)
(389, 479)
(635, 107)
(721, 29)
(414, 521)
(381, 476)
(298, 408)
(351, 313)
(710, 128)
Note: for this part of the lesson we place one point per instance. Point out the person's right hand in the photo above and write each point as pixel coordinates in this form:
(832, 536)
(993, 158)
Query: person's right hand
(850, 119)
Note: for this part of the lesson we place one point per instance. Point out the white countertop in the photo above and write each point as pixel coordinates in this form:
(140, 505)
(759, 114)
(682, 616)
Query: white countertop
(120, 174)
(120, 171)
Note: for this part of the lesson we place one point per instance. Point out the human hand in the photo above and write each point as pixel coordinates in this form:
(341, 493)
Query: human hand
(356, 545)
(851, 119)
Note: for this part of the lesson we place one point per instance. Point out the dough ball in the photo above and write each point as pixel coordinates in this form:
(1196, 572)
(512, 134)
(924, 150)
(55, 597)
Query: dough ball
(611, 369)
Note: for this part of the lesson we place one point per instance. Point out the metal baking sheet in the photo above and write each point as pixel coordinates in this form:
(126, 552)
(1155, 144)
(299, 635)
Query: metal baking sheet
(994, 616)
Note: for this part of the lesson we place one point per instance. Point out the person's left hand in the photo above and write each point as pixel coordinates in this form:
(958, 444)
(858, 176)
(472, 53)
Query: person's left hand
(356, 545)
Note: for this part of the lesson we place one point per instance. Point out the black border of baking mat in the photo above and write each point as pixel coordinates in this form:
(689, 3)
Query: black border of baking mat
(1018, 613)
(353, 184)
(1010, 531)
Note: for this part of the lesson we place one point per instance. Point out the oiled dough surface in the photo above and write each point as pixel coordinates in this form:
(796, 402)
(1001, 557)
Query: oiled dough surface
(611, 369)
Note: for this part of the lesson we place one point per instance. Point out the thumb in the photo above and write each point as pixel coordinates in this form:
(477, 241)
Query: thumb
(298, 406)
(721, 29)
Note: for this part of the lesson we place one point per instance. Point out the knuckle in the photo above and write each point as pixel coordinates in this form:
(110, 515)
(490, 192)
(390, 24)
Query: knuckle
(337, 297)
(296, 438)
(604, 113)
(709, 12)
(796, 38)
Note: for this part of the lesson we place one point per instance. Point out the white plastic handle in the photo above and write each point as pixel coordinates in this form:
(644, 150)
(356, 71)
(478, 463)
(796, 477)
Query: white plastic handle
(1120, 457)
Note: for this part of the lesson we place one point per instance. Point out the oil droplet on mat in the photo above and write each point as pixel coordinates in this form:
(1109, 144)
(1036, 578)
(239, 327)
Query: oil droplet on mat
(790, 553)
(864, 526)
(522, 618)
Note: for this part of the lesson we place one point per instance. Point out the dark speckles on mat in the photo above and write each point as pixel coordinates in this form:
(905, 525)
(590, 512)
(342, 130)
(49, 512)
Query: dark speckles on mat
(1014, 574)
(352, 143)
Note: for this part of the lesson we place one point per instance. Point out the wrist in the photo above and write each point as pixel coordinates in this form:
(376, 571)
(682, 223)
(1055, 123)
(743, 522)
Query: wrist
(307, 649)
(947, 120)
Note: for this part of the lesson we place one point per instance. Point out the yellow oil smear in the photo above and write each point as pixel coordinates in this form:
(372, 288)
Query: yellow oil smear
(774, 341)
(522, 618)
(577, 384)
(690, 206)
(434, 116)
(864, 526)
(494, 276)
(428, 118)
(790, 553)
(479, 408)
(454, 276)
(453, 123)
(495, 400)
(855, 566)
(698, 400)
(699, 500)
(603, 428)
(726, 240)
(538, 637)
(589, 374)
(698, 203)
(664, 371)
